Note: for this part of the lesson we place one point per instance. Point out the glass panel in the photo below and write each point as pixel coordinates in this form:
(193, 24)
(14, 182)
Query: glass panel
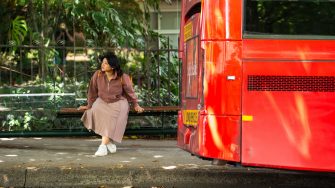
(173, 40)
(192, 68)
(170, 20)
(287, 17)
(154, 20)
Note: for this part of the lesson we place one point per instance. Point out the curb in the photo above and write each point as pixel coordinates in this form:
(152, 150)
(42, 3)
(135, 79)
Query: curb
(144, 177)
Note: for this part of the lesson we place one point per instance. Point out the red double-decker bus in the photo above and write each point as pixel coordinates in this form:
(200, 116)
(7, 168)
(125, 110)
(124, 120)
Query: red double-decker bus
(258, 82)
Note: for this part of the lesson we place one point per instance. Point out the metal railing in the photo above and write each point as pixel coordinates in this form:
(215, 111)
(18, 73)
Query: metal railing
(37, 81)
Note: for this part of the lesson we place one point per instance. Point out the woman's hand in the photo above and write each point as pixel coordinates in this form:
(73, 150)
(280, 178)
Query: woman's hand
(138, 109)
(82, 108)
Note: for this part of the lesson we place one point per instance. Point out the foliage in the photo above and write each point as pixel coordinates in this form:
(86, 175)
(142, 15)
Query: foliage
(18, 30)
(154, 74)
(112, 23)
(106, 24)
(26, 121)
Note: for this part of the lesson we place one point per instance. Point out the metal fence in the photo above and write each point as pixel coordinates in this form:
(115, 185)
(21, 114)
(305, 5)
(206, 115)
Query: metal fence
(38, 80)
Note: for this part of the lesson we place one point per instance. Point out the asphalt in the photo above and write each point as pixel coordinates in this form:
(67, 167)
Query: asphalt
(69, 162)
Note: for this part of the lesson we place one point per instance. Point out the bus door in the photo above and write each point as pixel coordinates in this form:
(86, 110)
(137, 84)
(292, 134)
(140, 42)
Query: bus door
(192, 86)
(192, 80)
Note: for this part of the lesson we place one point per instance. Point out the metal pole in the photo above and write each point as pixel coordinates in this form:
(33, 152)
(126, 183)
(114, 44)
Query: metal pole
(74, 50)
(21, 79)
(10, 74)
(158, 79)
(168, 72)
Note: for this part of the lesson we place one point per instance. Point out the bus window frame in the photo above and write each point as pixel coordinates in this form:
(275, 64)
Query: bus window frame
(289, 37)
(255, 35)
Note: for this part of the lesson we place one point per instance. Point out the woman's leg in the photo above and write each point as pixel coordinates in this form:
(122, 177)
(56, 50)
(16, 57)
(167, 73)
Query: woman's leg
(102, 150)
(109, 144)
(105, 140)
(105, 144)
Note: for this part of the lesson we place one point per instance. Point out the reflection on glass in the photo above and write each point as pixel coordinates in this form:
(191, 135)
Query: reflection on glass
(192, 68)
(287, 17)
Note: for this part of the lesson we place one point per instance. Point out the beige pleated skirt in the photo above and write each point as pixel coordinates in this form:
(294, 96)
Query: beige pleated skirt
(107, 119)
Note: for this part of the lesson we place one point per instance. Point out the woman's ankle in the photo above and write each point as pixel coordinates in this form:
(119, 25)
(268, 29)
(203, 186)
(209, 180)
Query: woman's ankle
(105, 140)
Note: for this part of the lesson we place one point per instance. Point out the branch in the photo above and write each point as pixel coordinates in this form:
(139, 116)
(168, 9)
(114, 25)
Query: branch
(6, 68)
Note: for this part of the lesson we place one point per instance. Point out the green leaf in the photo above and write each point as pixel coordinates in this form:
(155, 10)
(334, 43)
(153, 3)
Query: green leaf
(18, 29)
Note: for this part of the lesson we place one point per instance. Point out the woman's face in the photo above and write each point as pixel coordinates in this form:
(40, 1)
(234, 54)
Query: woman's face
(105, 66)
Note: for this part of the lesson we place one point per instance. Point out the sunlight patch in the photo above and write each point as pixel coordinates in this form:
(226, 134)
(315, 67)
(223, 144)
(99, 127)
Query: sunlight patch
(65, 168)
(61, 153)
(32, 168)
(158, 156)
(169, 167)
(5, 178)
(7, 139)
(11, 155)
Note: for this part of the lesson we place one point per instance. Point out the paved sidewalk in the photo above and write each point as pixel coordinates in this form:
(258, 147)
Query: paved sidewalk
(69, 162)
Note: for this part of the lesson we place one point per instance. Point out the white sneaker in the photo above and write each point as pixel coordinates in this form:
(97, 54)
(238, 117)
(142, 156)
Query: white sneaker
(102, 151)
(111, 147)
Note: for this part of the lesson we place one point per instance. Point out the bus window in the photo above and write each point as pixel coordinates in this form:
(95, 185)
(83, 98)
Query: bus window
(192, 68)
(306, 18)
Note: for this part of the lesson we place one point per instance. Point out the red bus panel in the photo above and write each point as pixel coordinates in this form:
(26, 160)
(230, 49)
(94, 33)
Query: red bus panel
(223, 76)
(217, 131)
(289, 91)
(221, 20)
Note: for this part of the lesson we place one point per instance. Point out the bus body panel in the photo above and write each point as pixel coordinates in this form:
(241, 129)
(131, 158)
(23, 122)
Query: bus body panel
(215, 137)
(293, 116)
(221, 20)
(217, 134)
(220, 137)
(274, 50)
(222, 79)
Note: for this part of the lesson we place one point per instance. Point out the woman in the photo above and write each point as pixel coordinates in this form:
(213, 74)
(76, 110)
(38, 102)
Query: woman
(107, 106)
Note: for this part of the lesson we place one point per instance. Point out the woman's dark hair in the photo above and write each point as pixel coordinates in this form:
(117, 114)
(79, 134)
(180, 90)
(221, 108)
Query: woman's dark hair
(112, 61)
